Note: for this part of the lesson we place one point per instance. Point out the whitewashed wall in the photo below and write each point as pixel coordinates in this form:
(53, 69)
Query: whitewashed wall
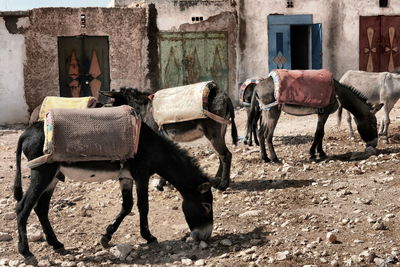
(340, 24)
(13, 107)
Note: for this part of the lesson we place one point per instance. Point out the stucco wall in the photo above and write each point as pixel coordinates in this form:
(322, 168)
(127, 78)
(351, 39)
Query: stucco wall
(217, 16)
(13, 108)
(340, 23)
(126, 31)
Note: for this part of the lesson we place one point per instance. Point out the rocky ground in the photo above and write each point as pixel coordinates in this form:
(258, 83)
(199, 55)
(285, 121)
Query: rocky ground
(343, 211)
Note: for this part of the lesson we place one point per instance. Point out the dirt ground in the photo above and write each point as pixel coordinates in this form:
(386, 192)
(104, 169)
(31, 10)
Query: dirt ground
(286, 214)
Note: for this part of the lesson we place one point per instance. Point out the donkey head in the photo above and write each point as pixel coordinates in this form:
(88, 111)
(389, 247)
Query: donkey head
(367, 126)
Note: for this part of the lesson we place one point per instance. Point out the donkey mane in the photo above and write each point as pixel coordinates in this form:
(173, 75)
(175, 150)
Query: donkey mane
(356, 93)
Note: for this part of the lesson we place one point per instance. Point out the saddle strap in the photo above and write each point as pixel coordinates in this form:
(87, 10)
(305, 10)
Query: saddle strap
(268, 106)
(215, 117)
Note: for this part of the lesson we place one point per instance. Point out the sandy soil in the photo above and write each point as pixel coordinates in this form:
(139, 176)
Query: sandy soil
(272, 215)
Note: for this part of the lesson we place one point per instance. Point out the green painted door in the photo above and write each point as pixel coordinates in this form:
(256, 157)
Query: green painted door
(192, 57)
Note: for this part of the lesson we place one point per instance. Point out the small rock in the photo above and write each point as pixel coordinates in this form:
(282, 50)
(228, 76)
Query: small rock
(10, 216)
(186, 261)
(331, 237)
(203, 245)
(226, 242)
(200, 262)
(44, 263)
(121, 251)
(34, 234)
(5, 237)
(251, 213)
(284, 255)
(379, 261)
(4, 262)
(379, 226)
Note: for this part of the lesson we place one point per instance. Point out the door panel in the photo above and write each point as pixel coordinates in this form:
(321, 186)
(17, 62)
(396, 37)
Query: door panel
(279, 47)
(83, 65)
(390, 57)
(192, 57)
(316, 46)
(369, 43)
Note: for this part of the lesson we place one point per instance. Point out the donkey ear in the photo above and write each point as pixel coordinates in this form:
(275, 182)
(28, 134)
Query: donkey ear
(204, 187)
(111, 94)
(375, 108)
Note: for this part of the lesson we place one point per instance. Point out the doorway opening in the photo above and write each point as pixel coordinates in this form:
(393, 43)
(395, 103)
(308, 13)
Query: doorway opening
(299, 35)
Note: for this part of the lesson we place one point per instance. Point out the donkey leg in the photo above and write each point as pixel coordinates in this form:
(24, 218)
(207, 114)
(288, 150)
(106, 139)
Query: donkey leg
(273, 117)
(217, 140)
(318, 137)
(261, 136)
(126, 185)
(142, 192)
(385, 122)
(42, 212)
(349, 123)
(41, 178)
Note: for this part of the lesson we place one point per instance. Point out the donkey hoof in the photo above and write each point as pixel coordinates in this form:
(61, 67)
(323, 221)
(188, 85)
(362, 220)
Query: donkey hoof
(105, 241)
(31, 260)
(322, 156)
(151, 239)
(265, 159)
(61, 251)
(222, 186)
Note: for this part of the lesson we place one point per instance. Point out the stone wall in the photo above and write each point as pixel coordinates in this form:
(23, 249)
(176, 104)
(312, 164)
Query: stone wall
(126, 31)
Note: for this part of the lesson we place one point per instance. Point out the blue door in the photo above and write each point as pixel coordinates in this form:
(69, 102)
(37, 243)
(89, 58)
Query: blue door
(280, 44)
(279, 47)
(316, 31)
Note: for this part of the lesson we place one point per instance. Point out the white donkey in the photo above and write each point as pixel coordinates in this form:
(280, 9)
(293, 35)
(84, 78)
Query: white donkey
(377, 87)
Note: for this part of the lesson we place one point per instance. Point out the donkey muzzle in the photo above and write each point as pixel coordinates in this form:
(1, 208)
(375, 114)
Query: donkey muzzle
(202, 233)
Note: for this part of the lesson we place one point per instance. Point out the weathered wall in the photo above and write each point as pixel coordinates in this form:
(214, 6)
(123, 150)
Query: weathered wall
(340, 24)
(217, 16)
(13, 108)
(126, 31)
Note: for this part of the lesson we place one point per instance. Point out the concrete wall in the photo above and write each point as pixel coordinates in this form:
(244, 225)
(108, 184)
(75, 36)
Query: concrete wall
(125, 28)
(13, 108)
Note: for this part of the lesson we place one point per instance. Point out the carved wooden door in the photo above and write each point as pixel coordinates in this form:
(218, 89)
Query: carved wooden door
(192, 57)
(83, 65)
(379, 43)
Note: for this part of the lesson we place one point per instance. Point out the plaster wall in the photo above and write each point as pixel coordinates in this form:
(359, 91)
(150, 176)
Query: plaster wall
(217, 16)
(13, 107)
(126, 31)
(340, 25)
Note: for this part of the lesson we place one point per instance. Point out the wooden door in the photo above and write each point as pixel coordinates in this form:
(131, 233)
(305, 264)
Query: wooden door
(83, 65)
(390, 33)
(370, 35)
(190, 57)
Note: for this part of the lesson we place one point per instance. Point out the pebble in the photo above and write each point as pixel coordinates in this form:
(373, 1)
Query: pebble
(200, 262)
(379, 226)
(331, 237)
(187, 261)
(121, 251)
(44, 263)
(203, 245)
(5, 237)
(10, 216)
(34, 234)
(226, 242)
(251, 213)
(284, 255)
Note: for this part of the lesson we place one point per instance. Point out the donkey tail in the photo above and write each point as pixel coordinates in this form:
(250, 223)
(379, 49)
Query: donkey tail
(18, 192)
(234, 132)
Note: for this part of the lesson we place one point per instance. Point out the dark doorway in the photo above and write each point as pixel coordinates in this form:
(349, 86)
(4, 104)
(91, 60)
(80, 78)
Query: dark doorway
(299, 35)
(83, 65)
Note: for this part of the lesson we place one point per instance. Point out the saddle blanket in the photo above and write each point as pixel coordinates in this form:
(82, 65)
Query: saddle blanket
(75, 135)
(183, 103)
(310, 88)
(245, 86)
(51, 102)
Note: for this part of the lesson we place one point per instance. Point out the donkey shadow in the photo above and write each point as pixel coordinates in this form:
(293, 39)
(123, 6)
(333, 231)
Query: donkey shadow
(357, 156)
(294, 139)
(262, 185)
(169, 251)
